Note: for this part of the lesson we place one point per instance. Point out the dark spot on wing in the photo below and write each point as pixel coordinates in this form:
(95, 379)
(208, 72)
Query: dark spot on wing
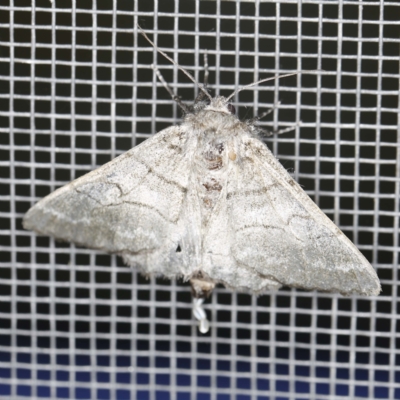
(212, 185)
(212, 155)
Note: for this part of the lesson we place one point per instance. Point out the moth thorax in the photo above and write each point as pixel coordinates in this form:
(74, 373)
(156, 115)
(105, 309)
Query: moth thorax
(211, 172)
(213, 155)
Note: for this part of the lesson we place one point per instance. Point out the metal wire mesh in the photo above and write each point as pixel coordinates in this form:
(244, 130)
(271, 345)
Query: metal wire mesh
(76, 89)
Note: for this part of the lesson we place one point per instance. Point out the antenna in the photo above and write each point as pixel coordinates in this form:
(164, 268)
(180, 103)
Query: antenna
(269, 79)
(174, 63)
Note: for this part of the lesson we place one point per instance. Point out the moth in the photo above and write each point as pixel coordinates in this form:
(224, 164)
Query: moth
(206, 201)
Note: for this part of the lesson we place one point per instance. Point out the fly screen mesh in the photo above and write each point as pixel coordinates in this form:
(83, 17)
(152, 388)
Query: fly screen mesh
(77, 89)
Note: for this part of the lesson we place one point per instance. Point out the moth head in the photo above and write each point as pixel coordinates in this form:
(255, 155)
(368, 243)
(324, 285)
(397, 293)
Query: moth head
(222, 105)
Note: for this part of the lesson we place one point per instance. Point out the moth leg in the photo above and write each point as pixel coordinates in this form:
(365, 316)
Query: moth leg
(265, 132)
(201, 95)
(201, 289)
(255, 119)
(175, 97)
(206, 72)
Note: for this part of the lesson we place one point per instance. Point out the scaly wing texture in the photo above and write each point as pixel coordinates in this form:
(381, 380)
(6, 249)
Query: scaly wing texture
(281, 234)
(218, 260)
(130, 206)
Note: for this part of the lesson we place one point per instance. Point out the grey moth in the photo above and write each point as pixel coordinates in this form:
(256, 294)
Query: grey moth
(206, 201)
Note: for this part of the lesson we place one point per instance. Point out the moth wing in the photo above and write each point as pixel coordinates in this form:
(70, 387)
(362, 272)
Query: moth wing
(129, 206)
(279, 231)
